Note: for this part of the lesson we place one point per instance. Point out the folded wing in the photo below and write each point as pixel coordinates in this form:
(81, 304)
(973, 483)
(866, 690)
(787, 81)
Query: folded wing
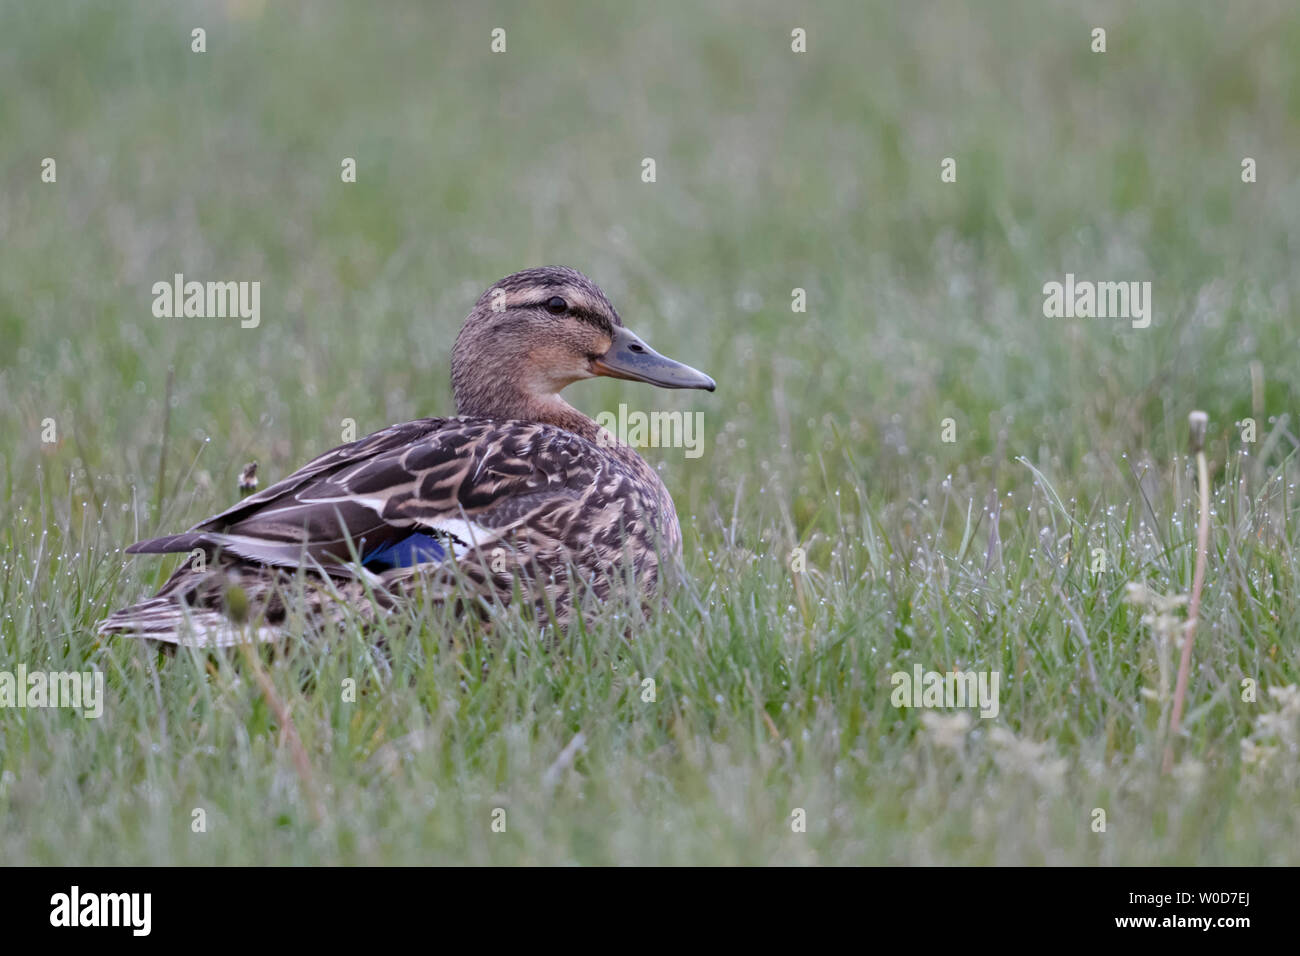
(409, 494)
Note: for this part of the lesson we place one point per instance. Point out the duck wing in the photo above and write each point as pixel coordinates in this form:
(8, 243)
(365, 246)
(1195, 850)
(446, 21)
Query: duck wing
(406, 494)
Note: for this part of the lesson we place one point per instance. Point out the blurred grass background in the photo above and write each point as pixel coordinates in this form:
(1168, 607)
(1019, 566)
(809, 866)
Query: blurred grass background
(775, 170)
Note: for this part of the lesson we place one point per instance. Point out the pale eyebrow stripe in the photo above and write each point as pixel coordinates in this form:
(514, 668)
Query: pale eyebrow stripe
(580, 304)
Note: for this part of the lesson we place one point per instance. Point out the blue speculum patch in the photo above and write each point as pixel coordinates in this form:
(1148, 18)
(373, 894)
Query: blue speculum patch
(417, 548)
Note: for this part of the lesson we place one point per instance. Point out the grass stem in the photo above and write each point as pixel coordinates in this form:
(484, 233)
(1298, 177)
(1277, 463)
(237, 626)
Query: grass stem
(1198, 425)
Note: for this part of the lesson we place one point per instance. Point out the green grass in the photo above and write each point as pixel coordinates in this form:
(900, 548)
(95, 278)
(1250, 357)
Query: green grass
(775, 171)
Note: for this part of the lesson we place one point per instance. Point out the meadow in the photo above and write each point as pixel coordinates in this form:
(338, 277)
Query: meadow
(919, 468)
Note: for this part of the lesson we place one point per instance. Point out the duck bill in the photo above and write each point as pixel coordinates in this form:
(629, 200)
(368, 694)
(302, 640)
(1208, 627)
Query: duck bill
(630, 358)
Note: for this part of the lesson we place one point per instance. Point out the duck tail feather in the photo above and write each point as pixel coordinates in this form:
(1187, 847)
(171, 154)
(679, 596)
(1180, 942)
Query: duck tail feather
(166, 621)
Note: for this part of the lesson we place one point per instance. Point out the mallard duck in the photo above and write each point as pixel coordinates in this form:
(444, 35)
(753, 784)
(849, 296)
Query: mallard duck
(520, 493)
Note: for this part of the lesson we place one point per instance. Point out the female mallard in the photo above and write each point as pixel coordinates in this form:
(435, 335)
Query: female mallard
(520, 489)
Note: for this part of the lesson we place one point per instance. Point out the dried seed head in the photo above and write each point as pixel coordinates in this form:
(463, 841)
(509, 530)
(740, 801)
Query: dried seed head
(248, 478)
(1198, 422)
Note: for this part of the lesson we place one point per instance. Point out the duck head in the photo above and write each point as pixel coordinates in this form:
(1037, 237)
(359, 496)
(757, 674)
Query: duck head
(536, 332)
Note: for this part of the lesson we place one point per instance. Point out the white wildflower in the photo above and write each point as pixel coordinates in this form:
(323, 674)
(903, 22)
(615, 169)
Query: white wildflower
(1034, 759)
(947, 731)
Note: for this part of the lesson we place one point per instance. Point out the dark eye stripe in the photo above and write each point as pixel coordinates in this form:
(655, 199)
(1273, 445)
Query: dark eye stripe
(578, 312)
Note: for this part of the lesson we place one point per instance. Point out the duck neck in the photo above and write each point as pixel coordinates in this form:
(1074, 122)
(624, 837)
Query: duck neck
(508, 403)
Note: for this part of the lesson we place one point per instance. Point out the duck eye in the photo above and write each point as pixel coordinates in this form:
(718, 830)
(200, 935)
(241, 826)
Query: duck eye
(556, 305)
